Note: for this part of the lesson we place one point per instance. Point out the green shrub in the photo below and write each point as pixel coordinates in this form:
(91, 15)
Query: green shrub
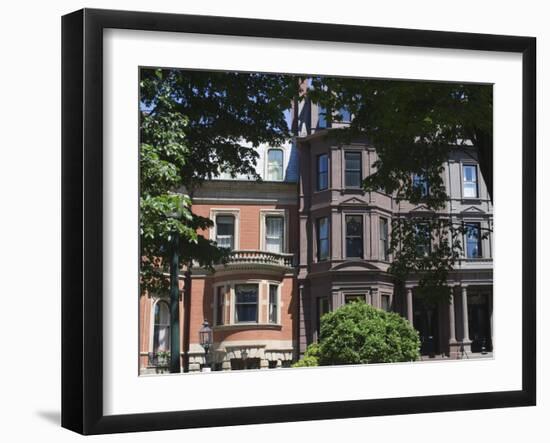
(358, 333)
(311, 357)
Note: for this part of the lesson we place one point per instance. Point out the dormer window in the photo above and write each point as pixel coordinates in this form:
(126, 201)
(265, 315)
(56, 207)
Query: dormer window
(469, 180)
(275, 165)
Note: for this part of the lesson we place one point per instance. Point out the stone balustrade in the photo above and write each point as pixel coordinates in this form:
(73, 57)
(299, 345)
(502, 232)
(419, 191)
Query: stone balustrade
(253, 257)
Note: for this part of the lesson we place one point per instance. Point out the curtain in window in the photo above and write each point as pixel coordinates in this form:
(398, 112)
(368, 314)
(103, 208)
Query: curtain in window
(274, 227)
(161, 330)
(275, 165)
(225, 231)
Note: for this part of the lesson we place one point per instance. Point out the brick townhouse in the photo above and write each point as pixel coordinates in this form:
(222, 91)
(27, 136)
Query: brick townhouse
(306, 240)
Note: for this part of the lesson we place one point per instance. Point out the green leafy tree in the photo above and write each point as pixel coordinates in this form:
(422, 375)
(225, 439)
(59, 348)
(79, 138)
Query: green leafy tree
(414, 126)
(358, 333)
(193, 125)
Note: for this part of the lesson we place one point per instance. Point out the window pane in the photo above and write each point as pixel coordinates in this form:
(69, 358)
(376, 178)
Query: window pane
(470, 173)
(420, 182)
(353, 161)
(322, 238)
(345, 115)
(161, 330)
(322, 309)
(322, 172)
(322, 122)
(354, 236)
(275, 165)
(354, 298)
(470, 181)
(473, 240)
(273, 289)
(246, 303)
(354, 225)
(220, 305)
(274, 229)
(353, 169)
(423, 239)
(470, 190)
(225, 231)
(384, 243)
(385, 302)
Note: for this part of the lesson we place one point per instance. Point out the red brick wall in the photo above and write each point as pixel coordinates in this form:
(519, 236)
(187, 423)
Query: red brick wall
(249, 223)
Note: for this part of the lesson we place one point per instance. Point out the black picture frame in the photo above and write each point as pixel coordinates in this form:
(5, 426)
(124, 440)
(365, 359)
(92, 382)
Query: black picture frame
(82, 190)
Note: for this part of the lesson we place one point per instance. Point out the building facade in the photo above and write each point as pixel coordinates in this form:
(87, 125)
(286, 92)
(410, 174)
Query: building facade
(306, 240)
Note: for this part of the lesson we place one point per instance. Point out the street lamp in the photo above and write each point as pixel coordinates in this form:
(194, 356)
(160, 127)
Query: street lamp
(205, 339)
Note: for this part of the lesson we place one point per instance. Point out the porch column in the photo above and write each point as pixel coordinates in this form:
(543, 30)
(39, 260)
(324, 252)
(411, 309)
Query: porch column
(452, 328)
(453, 344)
(466, 342)
(410, 305)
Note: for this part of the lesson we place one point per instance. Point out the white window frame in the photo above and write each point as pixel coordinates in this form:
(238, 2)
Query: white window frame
(152, 322)
(266, 164)
(235, 212)
(462, 182)
(264, 213)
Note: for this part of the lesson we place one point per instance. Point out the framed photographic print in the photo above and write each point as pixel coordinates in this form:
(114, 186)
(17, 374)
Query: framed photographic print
(269, 221)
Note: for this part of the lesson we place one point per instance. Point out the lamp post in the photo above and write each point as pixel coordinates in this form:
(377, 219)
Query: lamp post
(205, 339)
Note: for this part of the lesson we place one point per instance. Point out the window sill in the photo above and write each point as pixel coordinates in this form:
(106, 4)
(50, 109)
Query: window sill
(353, 191)
(248, 325)
(471, 200)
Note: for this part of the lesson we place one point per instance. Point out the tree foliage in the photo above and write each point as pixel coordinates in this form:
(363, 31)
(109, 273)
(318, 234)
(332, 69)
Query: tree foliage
(358, 333)
(414, 127)
(193, 125)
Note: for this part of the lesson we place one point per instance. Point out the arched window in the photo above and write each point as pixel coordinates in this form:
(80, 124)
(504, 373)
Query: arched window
(161, 330)
(275, 165)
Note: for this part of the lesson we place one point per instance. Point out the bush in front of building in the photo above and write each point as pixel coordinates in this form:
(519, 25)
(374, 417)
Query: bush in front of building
(310, 358)
(358, 333)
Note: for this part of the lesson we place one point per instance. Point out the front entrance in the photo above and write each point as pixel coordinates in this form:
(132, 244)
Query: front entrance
(426, 323)
(479, 323)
